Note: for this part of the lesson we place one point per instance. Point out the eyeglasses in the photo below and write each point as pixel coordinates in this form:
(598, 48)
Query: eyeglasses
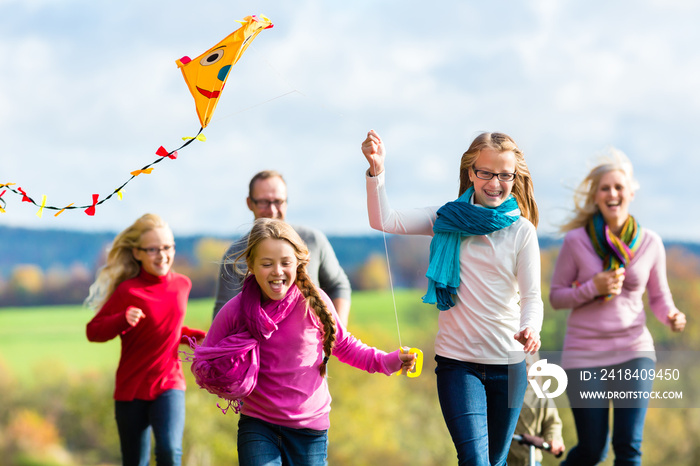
(265, 204)
(154, 251)
(487, 175)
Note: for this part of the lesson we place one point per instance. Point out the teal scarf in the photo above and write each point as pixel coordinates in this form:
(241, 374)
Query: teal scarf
(455, 220)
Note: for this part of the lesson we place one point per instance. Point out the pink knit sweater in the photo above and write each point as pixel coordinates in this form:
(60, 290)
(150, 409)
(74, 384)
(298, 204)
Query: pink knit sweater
(599, 332)
(290, 390)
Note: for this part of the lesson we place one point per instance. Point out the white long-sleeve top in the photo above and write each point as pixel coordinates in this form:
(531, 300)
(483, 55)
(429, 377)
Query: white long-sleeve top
(499, 291)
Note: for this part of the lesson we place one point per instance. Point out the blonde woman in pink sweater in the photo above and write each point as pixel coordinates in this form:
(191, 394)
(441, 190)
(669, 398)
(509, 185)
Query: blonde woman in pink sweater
(606, 264)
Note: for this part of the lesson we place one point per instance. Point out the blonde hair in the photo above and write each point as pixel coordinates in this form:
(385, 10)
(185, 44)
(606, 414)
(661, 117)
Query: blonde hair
(268, 228)
(584, 196)
(523, 189)
(121, 264)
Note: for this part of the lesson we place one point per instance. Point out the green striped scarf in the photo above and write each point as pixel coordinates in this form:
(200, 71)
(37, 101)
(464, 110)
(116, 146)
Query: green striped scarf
(616, 251)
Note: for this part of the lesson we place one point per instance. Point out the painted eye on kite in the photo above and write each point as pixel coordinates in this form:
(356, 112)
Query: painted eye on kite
(212, 58)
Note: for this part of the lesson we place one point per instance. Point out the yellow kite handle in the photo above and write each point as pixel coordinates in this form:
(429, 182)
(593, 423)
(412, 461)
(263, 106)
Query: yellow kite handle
(418, 367)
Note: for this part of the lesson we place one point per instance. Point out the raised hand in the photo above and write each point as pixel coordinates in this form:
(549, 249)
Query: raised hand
(373, 150)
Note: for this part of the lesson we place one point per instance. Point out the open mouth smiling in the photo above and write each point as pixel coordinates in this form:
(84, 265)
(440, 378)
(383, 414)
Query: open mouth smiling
(277, 285)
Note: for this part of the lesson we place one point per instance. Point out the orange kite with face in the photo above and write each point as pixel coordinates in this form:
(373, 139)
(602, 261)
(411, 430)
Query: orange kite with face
(206, 75)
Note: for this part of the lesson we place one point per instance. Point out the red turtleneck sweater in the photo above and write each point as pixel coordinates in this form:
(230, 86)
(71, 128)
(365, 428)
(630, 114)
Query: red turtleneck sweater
(149, 362)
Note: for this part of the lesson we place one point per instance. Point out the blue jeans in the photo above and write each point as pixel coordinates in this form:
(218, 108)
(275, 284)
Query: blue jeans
(261, 444)
(481, 404)
(592, 416)
(165, 416)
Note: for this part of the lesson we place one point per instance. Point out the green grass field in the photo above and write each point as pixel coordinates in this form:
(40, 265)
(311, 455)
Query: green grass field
(34, 337)
(374, 420)
(53, 380)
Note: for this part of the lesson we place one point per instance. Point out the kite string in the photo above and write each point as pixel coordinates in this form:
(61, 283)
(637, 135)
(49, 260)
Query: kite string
(275, 71)
(260, 104)
(388, 262)
(289, 83)
(280, 76)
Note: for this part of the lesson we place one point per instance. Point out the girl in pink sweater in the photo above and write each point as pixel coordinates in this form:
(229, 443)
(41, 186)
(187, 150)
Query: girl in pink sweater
(143, 302)
(606, 264)
(268, 348)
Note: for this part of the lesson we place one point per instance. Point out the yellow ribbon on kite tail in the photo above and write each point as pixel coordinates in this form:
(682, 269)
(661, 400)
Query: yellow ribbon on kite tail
(206, 75)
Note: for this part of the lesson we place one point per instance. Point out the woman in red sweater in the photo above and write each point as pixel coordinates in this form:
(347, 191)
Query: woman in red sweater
(142, 301)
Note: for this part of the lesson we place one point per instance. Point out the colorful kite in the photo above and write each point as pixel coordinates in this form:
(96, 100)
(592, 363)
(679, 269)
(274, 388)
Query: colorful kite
(205, 76)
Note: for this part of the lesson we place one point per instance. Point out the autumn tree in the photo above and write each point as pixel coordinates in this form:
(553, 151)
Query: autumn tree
(373, 274)
(25, 285)
(208, 253)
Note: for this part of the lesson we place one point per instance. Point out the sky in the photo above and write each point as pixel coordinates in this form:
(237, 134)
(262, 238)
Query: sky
(90, 90)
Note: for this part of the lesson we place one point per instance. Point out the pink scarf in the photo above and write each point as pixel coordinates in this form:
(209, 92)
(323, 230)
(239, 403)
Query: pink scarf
(229, 369)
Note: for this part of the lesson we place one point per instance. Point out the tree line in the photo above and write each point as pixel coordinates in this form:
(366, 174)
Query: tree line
(44, 278)
(44, 267)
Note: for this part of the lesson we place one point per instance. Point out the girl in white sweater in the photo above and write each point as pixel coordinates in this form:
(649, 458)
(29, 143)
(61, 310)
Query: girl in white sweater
(484, 275)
